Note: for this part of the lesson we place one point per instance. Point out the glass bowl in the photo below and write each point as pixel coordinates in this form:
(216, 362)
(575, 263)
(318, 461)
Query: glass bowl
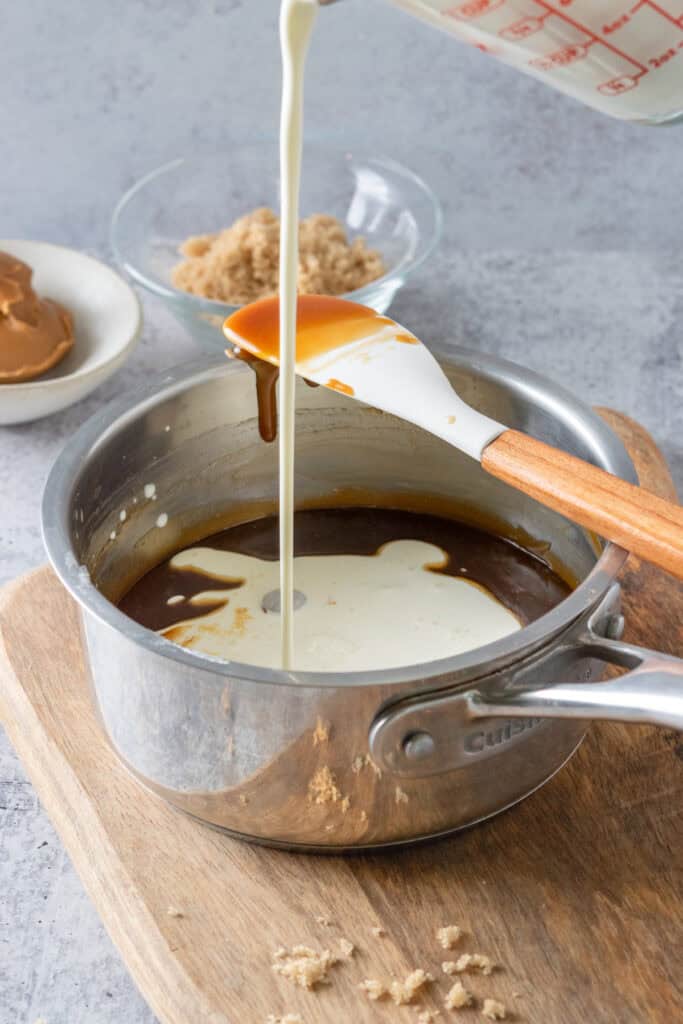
(389, 205)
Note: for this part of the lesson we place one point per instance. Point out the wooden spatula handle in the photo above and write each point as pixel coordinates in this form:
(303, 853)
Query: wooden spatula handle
(631, 517)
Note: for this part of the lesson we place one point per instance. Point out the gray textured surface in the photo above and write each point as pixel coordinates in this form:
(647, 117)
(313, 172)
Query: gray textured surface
(561, 251)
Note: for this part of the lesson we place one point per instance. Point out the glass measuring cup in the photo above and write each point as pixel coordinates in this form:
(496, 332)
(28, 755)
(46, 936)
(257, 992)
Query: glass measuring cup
(621, 57)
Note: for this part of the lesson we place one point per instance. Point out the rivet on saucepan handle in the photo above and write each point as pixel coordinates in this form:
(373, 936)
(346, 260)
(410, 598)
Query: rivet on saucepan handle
(419, 746)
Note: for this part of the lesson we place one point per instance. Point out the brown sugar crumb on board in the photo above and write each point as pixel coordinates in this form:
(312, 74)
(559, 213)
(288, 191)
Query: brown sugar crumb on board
(457, 997)
(493, 1010)
(303, 966)
(345, 804)
(448, 936)
(373, 989)
(427, 1016)
(321, 733)
(400, 796)
(403, 992)
(378, 931)
(244, 800)
(347, 948)
(323, 789)
(321, 919)
(174, 912)
(362, 761)
(289, 1018)
(472, 962)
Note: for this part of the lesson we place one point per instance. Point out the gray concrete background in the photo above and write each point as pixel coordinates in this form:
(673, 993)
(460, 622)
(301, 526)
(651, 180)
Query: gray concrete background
(561, 251)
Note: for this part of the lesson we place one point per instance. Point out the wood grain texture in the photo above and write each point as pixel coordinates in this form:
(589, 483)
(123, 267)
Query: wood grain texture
(576, 893)
(640, 521)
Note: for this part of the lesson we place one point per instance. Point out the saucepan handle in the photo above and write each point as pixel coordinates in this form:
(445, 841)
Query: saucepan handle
(426, 734)
(651, 691)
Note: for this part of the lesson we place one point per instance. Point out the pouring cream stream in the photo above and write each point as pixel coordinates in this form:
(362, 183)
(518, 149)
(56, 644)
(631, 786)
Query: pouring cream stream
(297, 18)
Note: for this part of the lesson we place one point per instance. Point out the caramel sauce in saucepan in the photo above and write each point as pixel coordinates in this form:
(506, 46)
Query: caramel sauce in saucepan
(521, 581)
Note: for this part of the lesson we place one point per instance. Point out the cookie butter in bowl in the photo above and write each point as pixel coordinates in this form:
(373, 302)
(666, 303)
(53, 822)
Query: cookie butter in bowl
(35, 333)
(67, 323)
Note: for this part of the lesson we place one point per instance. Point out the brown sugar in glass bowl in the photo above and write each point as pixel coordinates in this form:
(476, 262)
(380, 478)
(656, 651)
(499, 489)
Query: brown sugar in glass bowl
(241, 263)
(375, 197)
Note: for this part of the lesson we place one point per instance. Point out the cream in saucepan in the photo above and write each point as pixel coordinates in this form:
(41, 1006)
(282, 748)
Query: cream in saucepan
(383, 588)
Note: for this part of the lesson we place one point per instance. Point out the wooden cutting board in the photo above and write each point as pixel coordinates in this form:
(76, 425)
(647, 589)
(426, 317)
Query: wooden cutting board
(576, 893)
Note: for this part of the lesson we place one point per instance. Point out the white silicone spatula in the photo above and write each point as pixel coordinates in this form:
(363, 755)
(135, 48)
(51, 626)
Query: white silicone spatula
(349, 348)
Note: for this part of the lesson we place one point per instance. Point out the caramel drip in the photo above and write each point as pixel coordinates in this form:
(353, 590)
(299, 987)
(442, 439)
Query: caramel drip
(266, 375)
(266, 392)
(324, 323)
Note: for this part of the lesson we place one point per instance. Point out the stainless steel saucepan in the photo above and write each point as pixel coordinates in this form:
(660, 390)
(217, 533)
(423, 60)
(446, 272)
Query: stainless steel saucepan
(332, 760)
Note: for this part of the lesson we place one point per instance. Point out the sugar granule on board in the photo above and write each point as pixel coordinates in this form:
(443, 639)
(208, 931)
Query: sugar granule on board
(373, 989)
(493, 1010)
(449, 935)
(303, 966)
(457, 997)
(403, 992)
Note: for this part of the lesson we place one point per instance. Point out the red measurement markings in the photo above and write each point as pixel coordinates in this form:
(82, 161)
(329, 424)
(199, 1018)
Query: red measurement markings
(663, 58)
(616, 25)
(570, 54)
(660, 10)
(616, 86)
(561, 58)
(594, 38)
(473, 9)
(523, 28)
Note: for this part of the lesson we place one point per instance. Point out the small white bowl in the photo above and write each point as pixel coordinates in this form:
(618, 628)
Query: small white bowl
(107, 324)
